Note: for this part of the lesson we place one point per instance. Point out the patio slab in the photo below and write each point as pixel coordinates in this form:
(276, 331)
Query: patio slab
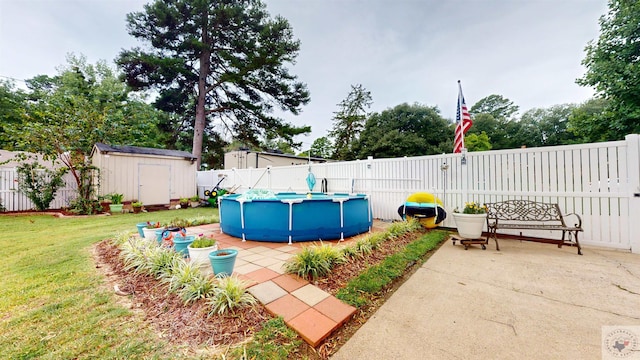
(529, 300)
(267, 292)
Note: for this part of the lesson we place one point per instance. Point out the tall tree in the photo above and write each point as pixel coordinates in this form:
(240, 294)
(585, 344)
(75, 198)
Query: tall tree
(588, 121)
(84, 104)
(349, 121)
(499, 107)
(405, 130)
(613, 67)
(475, 142)
(549, 125)
(494, 115)
(321, 147)
(228, 55)
(12, 111)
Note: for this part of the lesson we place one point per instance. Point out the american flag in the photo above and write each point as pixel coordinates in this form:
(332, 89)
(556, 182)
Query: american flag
(463, 122)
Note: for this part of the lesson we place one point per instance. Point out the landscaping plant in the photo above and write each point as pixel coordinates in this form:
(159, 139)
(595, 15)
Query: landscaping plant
(39, 184)
(229, 294)
(360, 290)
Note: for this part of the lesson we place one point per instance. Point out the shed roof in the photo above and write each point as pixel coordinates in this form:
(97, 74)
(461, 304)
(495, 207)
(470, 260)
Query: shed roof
(283, 155)
(125, 149)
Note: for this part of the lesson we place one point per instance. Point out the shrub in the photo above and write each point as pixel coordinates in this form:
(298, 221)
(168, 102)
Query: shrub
(181, 275)
(308, 263)
(161, 261)
(364, 247)
(199, 287)
(376, 239)
(133, 254)
(331, 253)
(402, 227)
(122, 237)
(350, 252)
(229, 294)
(39, 184)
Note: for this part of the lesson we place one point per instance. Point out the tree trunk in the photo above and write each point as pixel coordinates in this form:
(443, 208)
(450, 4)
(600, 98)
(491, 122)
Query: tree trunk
(201, 117)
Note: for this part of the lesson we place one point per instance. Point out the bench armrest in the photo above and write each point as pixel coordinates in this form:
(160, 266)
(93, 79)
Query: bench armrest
(579, 224)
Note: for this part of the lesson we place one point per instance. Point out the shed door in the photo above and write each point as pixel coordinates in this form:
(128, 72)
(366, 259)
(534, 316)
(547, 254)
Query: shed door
(154, 184)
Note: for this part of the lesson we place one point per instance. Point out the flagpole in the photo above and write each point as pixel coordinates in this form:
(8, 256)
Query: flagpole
(461, 116)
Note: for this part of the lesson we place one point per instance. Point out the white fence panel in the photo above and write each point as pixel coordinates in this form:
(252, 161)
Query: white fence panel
(600, 182)
(12, 199)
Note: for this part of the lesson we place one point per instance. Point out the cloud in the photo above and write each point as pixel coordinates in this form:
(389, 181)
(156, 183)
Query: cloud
(400, 50)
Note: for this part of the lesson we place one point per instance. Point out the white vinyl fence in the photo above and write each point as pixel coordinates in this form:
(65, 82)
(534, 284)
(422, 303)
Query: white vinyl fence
(12, 199)
(600, 182)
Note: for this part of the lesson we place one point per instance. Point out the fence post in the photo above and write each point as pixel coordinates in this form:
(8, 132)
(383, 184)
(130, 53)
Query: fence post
(633, 169)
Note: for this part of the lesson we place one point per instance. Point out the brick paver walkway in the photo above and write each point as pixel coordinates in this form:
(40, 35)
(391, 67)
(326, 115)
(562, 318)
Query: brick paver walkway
(307, 309)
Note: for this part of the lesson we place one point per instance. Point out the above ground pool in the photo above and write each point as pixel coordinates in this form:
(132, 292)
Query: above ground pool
(288, 217)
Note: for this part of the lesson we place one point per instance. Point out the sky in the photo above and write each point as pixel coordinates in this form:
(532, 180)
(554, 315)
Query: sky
(402, 51)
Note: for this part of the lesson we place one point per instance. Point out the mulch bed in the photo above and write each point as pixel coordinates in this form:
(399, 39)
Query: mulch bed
(189, 324)
(174, 321)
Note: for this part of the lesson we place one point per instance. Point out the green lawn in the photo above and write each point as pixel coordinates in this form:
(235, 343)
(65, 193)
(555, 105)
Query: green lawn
(53, 304)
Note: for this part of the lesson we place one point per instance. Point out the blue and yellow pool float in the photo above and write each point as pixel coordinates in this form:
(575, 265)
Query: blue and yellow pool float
(425, 207)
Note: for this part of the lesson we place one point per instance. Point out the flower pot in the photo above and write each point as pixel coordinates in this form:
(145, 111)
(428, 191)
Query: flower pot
(141, 226)
(180, 243)
(115, 208)
(184, 205)
(137, 209)
(222, 261)
(200, 256)
(158, 232)
(149, 233)
(195, 204)
(470, 225)
(105, 206)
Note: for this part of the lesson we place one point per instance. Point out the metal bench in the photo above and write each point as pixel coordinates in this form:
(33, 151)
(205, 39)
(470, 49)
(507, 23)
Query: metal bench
(531, 215)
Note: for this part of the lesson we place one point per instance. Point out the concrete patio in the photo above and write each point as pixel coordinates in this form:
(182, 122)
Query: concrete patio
(527, 301)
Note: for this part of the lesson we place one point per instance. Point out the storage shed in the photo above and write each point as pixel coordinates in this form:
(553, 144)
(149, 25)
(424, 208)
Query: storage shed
(245, 159)
(152, 176)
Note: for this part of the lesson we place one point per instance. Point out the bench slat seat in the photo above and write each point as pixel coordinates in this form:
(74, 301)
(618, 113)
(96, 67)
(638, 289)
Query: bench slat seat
(534, 227)
(531, 215)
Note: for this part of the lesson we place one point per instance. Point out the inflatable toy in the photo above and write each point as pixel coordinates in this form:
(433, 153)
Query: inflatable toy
(425, 207)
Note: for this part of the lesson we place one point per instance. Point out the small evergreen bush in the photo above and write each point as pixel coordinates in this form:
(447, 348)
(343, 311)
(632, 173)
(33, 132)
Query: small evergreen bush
(229, 294)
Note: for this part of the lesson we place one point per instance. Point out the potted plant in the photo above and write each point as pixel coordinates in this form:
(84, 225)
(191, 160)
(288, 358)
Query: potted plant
(184, 203)
(149, 229)
(136, 206)
(104, 203)
(471, 220)
(181, 241)
(116, 202)
(222, 261)
(195, 201)
(200, 248)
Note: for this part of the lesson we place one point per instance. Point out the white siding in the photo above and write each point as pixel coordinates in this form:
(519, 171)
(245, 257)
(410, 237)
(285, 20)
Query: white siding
(119, 172)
